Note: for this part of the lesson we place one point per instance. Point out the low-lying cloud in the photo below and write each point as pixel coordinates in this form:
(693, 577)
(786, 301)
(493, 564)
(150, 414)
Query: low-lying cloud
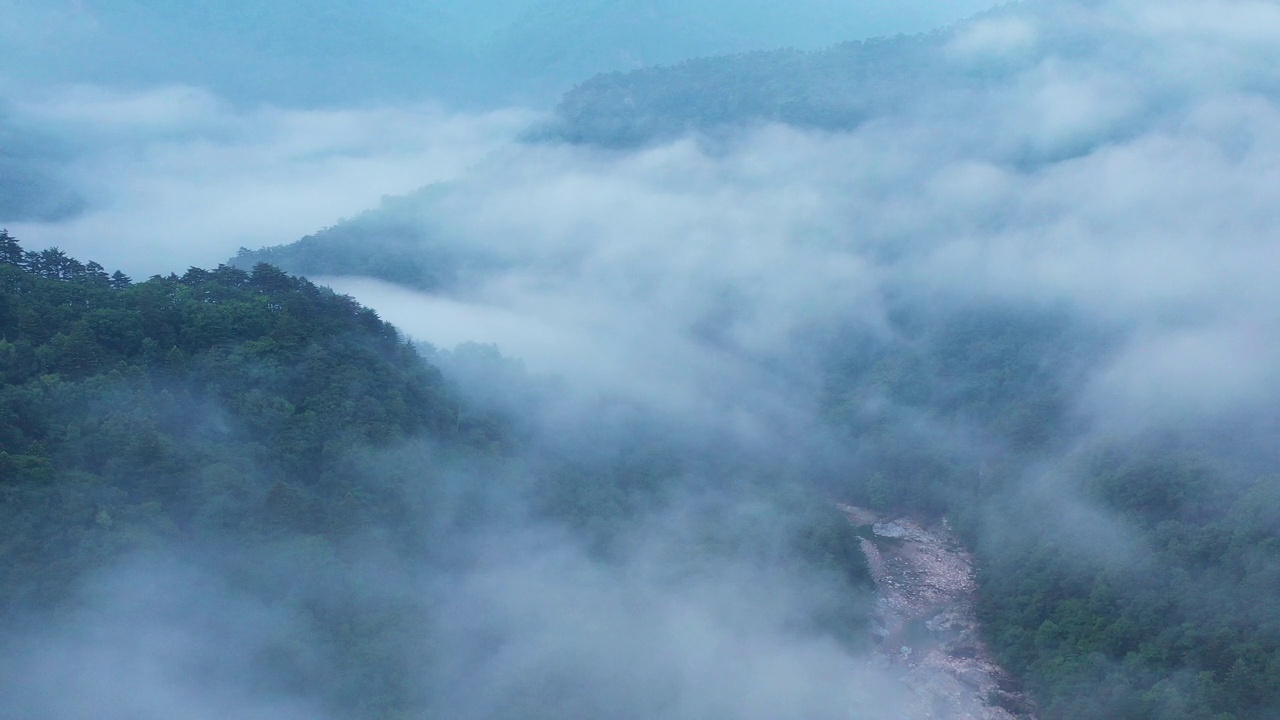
(174, 177)
(1121, 170)
(1093, 177)
(658, 635)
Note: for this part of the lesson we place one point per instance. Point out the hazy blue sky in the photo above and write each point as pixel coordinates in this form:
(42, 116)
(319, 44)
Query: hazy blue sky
(92, 91)
(340, 51)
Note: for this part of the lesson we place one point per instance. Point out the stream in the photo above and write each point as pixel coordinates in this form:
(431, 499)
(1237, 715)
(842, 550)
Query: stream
(926, 625)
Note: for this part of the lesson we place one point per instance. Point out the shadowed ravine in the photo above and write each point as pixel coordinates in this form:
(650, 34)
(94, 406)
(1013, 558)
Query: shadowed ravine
(926, 624)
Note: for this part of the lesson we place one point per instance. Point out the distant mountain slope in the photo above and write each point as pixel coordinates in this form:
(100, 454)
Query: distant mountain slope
(398, 241)
(222, 419)
(1052, 231)
(972, 67)
(834, 89)
(177, 389)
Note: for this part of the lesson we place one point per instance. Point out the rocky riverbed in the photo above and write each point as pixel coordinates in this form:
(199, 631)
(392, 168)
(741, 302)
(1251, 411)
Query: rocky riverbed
(926, 621)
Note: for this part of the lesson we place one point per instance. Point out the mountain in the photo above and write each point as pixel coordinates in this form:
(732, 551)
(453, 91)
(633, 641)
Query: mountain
(243, 458)
(409, 248)
(1013, 267)
(834, 89)
(970, 409)
(976, 67)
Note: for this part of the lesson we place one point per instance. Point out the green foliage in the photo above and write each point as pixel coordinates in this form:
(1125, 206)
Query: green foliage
(133, 388)
(942, 413)
(1165, 610)
(220, 409)
(286, 439)
(1181, 623)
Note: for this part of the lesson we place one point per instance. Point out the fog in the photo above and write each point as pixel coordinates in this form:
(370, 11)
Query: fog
(654, 636)
(175, 176)
(1118, 170)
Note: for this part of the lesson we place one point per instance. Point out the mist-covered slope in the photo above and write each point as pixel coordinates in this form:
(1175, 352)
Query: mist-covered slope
(394, 242)
(238, 493)
(200, 446)
(1017, 273)
(1051, 67)
(1013, 279)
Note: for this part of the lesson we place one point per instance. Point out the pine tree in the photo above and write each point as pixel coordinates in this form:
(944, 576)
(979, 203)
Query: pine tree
(10, 251)
(95, 273)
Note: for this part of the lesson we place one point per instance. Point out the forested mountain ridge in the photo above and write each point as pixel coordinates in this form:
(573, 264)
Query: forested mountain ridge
(835, 89)
(961, 71)
(962, 414)
(224, 444)
(225, 417)
(1165, 615)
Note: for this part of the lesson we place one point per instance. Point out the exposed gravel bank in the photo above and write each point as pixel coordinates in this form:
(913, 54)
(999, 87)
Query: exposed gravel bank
(926, 622)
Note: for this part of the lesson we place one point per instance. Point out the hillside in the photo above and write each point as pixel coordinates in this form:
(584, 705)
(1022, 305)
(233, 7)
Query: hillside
(221, 419)
(1014, 273)
(962, 415)
(991, 66)
(243, 459)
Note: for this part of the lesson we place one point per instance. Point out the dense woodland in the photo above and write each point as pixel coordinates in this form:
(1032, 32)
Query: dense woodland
(285, 439)
(1168, 610)
(137, 415)
(221, 414)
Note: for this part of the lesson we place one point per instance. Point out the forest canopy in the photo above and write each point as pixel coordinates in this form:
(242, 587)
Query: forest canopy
(272, 438)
